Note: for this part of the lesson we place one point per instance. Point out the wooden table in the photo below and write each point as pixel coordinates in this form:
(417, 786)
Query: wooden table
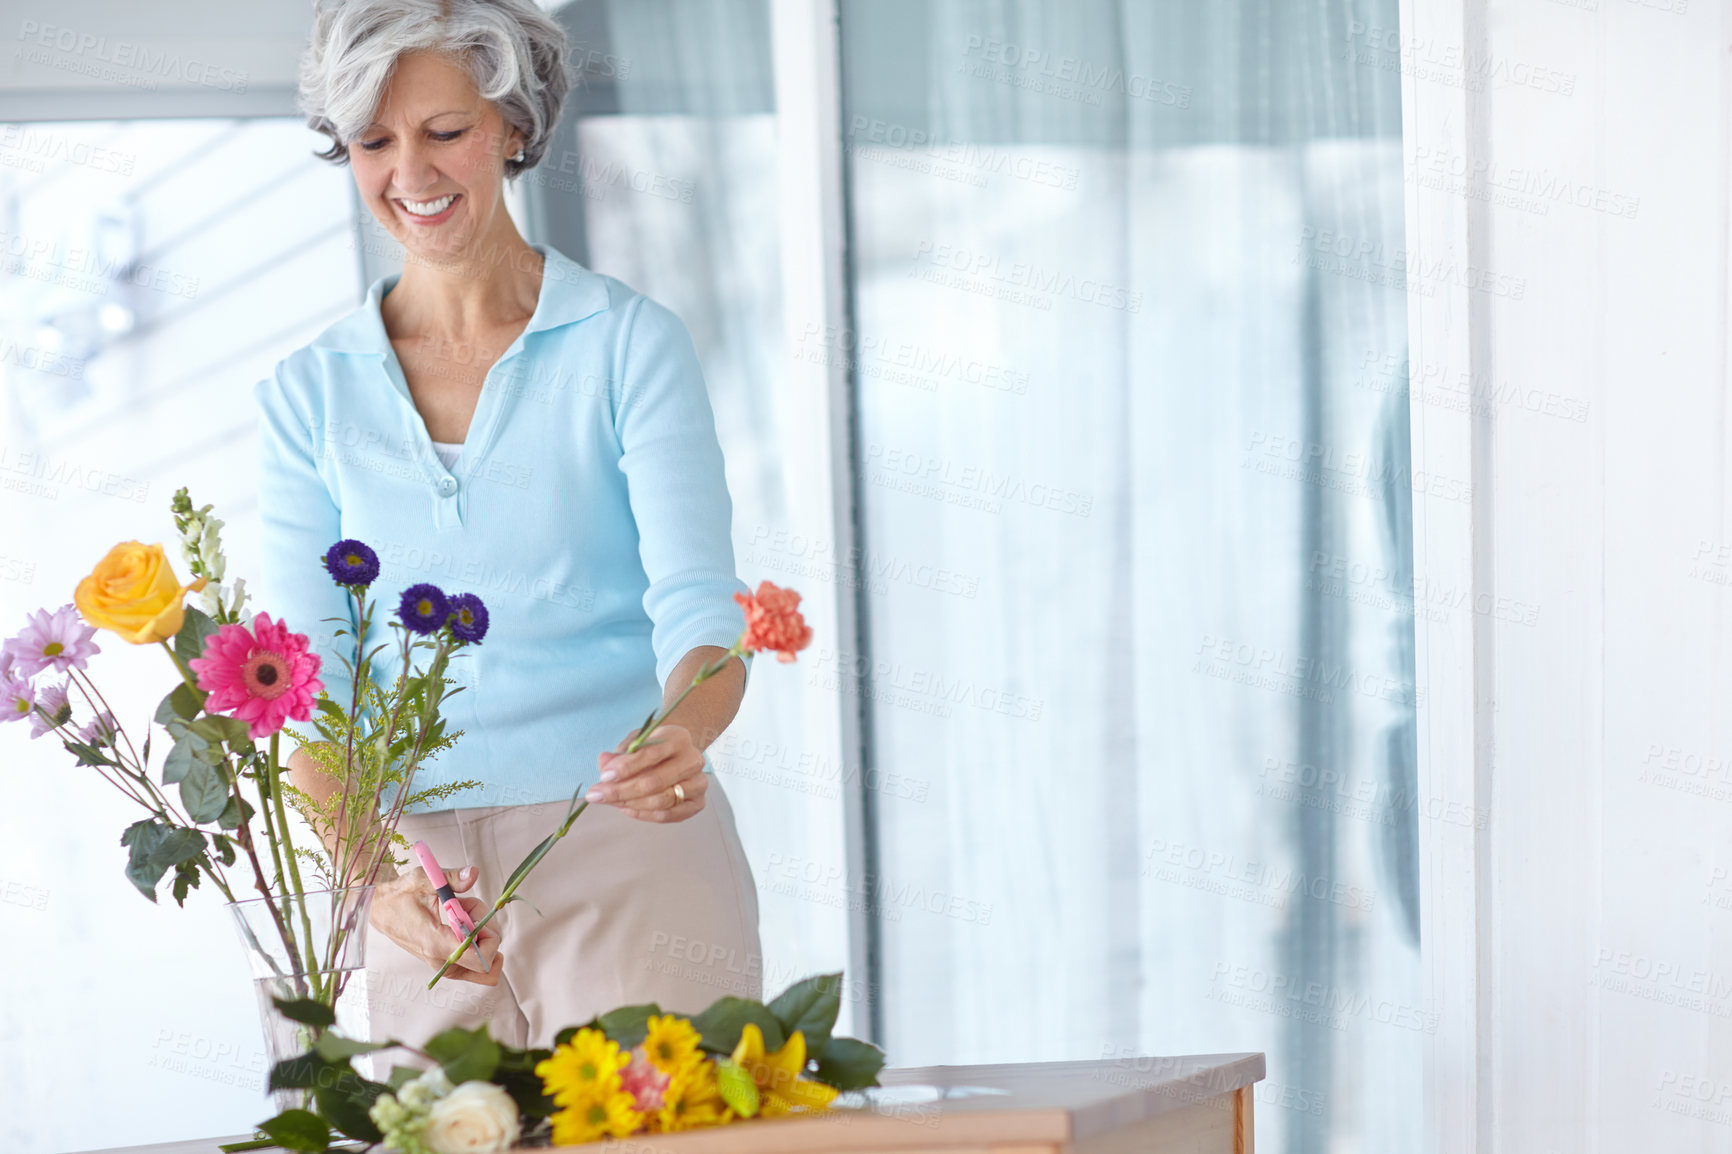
(1195, 1105)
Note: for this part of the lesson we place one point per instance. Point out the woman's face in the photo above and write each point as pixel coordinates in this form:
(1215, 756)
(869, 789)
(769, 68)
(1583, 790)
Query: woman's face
(431, 165)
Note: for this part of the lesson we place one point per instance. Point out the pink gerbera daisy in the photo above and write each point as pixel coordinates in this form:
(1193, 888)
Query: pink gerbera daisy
(264, 676)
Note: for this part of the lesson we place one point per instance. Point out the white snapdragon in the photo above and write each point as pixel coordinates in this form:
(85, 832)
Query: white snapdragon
(201, 546)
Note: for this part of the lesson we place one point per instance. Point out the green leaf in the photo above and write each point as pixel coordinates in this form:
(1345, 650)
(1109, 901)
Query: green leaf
(529, 863)
(204, 792)
(628, 1024)
(719, 1026)
(156, 846)
(466, 1055)
(300, 1130)
(219, 730)
(344, 1101)
(516, 1073)
(225, 847)
(195, 627)
(401, 1076)
(181, 702)
(738, 1089)
(810, 1007)
(235, 814)
(181, 758)
(335, 712)
(298, 1073)
(186, 877)
(89, 754)
(849, 1064)
(306, 1011)
(336, 1049)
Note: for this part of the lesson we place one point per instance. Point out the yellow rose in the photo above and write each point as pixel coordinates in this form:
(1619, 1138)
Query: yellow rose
(134, 592)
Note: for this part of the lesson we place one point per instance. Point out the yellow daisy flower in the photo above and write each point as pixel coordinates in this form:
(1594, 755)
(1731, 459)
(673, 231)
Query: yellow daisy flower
(671, 1043)
(611, 1114)
(692, 1099)
(583, 1070)
(781, 1089)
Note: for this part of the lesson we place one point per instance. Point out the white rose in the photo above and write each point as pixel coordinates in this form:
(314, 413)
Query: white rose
(475, 1118)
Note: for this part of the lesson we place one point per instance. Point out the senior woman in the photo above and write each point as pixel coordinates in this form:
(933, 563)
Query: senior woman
(503, 421)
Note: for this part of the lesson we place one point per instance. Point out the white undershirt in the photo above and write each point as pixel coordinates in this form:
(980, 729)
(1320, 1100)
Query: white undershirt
(448, 451)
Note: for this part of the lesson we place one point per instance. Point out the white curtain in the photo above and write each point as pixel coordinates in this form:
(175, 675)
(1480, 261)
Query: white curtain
(1131, 329)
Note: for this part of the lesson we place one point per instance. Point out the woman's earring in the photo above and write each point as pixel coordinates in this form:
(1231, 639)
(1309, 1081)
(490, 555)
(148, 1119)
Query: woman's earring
(518, 159)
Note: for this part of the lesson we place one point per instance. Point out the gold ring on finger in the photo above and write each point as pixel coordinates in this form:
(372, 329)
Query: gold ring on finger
(679, 793)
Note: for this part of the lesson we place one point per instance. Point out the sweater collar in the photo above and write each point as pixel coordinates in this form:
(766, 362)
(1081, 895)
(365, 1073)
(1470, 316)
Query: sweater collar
(569, 293)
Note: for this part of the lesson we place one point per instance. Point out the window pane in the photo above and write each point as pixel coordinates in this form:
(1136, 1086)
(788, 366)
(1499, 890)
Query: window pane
(154, 270)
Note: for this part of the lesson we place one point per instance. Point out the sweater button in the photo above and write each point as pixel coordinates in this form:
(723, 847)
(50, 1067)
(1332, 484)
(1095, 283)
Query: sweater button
(447, 485)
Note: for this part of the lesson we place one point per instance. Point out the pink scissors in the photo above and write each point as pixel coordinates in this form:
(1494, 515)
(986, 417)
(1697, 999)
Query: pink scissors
(455, 915)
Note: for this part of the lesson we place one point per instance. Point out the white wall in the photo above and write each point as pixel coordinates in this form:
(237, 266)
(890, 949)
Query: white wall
(113, 58)
(1568, 180)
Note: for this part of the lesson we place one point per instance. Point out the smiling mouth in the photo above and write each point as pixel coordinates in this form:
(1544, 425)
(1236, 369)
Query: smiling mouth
(430, 211)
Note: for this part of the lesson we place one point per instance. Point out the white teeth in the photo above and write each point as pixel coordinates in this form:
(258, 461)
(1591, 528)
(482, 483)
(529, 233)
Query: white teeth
(430, 207)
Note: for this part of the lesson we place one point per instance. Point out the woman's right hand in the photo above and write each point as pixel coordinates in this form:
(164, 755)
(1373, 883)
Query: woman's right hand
(406, 910)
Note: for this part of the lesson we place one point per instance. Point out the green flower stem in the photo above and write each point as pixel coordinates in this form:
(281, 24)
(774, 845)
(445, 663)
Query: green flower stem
(99, 704)
(299, 893)
(384, 742)
(434, 680)
(521, 874)
(341, 860)
(122, 783)
(243, 835)
(702, 675)
(156, 801)
(218, 880)
(265, 810)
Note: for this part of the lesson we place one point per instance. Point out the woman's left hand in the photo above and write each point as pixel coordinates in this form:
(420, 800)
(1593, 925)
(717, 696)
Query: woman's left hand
(642, 783)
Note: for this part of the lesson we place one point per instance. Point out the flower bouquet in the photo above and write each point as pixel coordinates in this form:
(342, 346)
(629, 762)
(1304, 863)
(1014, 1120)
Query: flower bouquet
(218, 797)
(633, 1070)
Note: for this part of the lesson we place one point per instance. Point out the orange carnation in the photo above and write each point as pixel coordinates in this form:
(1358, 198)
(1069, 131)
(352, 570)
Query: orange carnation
(773, 621)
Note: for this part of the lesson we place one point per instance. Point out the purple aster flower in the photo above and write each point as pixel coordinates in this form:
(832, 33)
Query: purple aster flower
(17, 697)
(100, 730)
(468, 618)
(423, 608)
(351, 563)
(57, 640)
(52, 701)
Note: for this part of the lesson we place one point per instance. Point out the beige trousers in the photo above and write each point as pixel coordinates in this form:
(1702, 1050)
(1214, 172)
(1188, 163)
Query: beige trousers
(630, 912)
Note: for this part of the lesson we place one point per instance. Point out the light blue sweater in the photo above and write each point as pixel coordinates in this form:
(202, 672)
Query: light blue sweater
(588, 509)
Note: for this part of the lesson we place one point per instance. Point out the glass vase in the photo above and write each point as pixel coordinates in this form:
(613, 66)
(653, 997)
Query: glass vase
(300, 946)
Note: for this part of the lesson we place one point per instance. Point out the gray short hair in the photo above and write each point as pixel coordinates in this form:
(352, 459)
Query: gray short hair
(512, 50)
